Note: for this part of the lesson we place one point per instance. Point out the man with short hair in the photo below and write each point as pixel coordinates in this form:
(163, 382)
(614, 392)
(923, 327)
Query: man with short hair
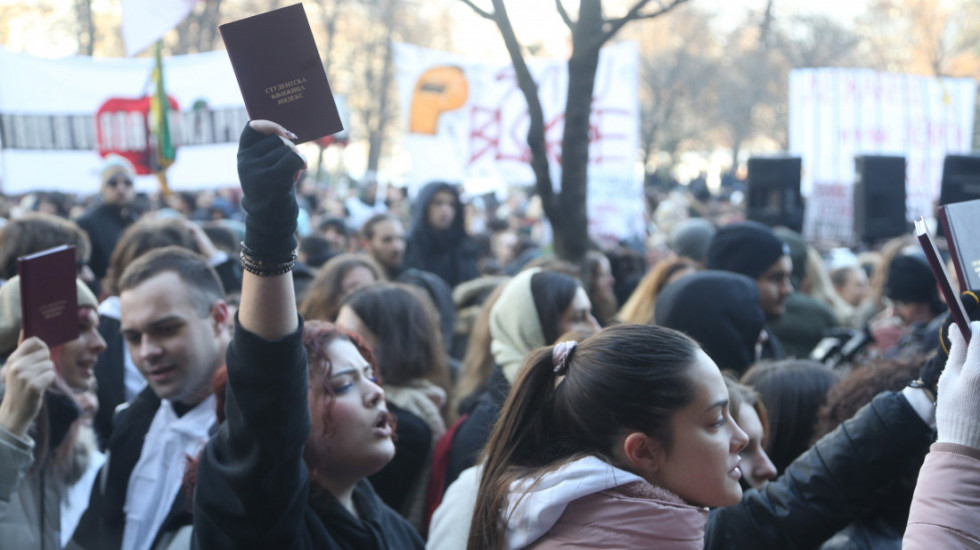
(175, 322)
(338, 234)
(752, 249)
(383, 238)
(105, 222)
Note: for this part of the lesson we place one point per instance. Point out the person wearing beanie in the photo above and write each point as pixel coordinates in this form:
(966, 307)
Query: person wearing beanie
(105, 222)
(47, 445)
(690, 239)
(753, 250)
(912, 289)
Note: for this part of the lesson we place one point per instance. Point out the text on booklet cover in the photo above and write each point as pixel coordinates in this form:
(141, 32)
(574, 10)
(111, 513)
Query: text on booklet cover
(280, 74)
(48, 295)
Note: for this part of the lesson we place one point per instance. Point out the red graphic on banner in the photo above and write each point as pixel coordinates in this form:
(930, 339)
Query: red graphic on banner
(503, 138)
(122, 128)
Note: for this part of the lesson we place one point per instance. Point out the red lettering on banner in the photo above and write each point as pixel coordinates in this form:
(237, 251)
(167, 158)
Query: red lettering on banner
(122, 128)
(490, 138)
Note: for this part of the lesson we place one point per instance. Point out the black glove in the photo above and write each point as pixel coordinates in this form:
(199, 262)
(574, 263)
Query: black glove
(267, 170)
(929, 375)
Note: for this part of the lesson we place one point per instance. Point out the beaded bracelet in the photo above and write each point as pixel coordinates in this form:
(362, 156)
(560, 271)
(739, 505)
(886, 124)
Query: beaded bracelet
(265, 268)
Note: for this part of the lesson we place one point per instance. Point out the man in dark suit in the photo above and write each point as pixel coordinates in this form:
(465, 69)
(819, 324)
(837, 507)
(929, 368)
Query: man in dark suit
(175, 323)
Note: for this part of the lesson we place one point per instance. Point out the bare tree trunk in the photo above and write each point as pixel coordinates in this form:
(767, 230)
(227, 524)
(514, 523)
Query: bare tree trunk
(86, 27)
(535, 132)
(209, 25)
(571, 220)
(567, 210)
(376, 137)
(736, 147)
(329, 20)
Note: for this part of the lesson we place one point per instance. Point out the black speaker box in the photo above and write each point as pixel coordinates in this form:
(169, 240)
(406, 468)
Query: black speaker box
(961, 179)
(773, 192)
(879, 197)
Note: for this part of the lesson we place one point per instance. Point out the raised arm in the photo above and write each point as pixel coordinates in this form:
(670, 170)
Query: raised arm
(252, 482)
(267, 171)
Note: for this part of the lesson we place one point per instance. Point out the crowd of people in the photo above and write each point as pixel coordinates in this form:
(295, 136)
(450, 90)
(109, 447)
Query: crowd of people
(274, 367)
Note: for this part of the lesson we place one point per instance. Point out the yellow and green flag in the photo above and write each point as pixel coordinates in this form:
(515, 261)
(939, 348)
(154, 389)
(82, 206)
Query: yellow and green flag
(165, 152)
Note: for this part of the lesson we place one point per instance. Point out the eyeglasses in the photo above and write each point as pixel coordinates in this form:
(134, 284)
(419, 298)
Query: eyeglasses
(116, 182)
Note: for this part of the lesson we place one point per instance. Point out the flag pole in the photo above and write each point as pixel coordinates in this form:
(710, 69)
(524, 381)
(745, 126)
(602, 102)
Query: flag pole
(163, 152)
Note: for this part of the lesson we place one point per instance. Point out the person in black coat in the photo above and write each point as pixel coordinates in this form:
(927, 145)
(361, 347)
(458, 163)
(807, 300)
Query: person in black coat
(306, 420)
(438, 242)
(105, 222)
(832, 484)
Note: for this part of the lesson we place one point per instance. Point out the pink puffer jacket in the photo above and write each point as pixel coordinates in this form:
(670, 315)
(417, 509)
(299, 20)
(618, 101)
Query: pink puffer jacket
(945, 511)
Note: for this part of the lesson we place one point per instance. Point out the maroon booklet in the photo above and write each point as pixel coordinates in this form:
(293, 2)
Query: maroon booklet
(961, 225)
(280, 74)
(48, 295)
(953, 301)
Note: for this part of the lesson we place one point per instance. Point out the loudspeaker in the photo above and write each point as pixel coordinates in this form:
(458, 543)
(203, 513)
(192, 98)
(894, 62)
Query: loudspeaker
(879, 197)
(961, 179)
(773, 192)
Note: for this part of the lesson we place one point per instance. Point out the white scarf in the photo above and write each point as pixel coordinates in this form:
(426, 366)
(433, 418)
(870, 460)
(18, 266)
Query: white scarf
(159, 473)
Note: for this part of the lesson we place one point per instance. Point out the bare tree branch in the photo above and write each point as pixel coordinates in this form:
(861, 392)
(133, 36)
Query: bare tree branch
(529, 88)
(612, 26)
(564, 15)
(480, 11)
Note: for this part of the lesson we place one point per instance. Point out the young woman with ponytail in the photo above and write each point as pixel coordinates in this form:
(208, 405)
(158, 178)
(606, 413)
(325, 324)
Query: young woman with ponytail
(622, 441)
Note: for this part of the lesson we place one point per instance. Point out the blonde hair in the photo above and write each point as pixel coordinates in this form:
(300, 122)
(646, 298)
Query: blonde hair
(639, 308)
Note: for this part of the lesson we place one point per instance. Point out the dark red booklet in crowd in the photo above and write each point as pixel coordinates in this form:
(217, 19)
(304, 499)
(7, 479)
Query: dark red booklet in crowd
(48, 296)
(280, 73)
(952, 297)
(961, 225)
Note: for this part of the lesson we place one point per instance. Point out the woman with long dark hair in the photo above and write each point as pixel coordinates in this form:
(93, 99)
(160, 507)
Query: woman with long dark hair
(662, 450)
(400, 324)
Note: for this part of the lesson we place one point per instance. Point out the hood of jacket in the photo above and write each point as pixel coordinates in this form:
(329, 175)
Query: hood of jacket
(515, 327)
(718, 309)
(424, 237)
(536, 504)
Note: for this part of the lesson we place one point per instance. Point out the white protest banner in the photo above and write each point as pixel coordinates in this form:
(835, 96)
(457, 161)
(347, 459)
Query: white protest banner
(145, 21)
(466, 120)
(837, 114)
(60, 117)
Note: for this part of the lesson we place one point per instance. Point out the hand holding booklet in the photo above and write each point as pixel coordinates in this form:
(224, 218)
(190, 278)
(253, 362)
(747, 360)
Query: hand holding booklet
(956, 309)
(280, 74)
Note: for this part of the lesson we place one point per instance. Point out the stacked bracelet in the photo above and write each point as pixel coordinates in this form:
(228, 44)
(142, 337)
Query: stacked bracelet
(263, 267)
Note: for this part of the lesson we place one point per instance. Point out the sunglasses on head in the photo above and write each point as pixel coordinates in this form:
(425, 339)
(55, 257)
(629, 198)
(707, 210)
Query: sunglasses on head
(115, 182)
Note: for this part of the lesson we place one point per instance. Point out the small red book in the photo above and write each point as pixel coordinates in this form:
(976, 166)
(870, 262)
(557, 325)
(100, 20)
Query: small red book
(961, 225)
(280, 73)
(953, 301)
(48, 295)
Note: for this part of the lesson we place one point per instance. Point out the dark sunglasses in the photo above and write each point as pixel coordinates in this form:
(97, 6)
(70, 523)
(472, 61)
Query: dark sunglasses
(115, 182)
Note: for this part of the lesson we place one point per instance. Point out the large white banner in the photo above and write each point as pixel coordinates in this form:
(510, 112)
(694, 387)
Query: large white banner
(837, 114)
(59, 117)
(466, 121)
